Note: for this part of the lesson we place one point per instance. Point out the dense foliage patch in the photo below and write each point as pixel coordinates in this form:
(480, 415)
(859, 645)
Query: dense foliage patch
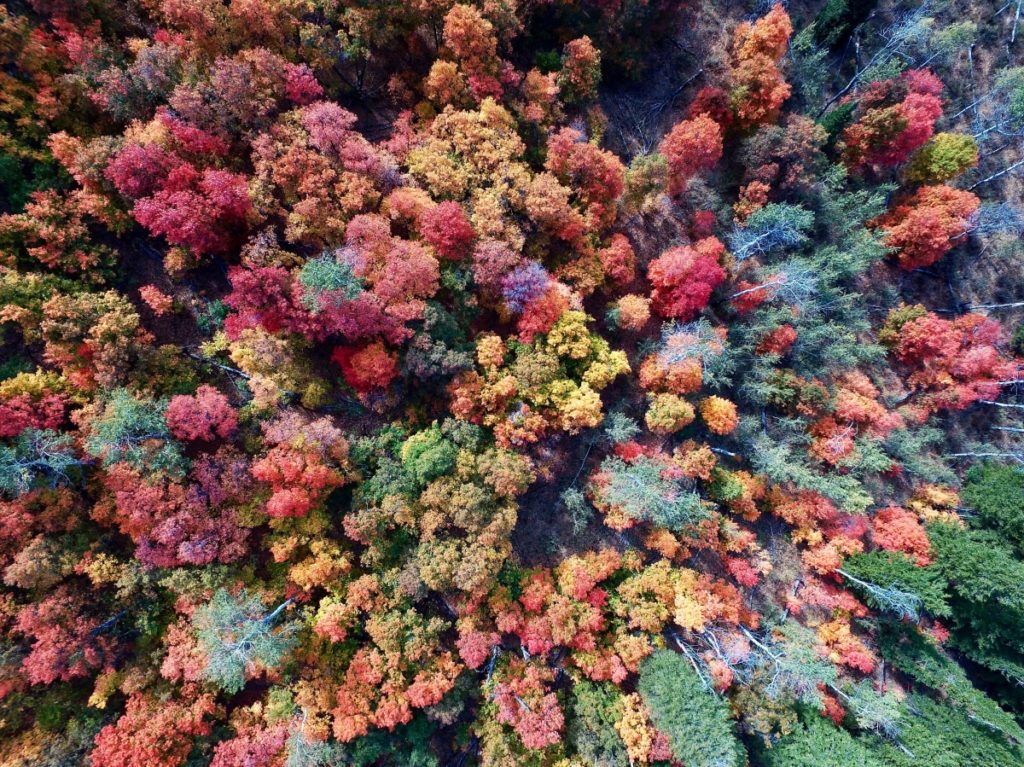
(509, 383)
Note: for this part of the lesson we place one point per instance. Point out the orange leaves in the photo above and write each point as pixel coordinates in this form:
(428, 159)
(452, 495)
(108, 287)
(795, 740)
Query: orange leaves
(719, 414)
(692, 146)
(928, 225)
(758, 89)
(895, 529)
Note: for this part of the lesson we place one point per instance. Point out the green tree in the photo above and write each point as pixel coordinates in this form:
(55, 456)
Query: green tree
(132, 430)
(593, 710)
(996, 493)
(819, 743)
(696, 722)
(237, 634)
(890, 581)
(36, 458)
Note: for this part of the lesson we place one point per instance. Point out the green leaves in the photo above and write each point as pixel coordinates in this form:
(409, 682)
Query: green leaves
(891, 582)
(695, 721)
(996, 493)
(133, 431)
(37, 458)
(238, 634)
(646, 495)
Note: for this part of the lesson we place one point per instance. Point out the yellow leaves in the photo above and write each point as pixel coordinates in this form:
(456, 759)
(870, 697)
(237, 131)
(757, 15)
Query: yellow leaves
(608, 366)
(34, 384)
(659, 593)
(688, 613)
(635, 729)
(668, 413)
(467, 150)
(103, 569)
(325, 564)
(490, 351)
(106, 685)
(570, 337)
(579, 406)
(935, 503)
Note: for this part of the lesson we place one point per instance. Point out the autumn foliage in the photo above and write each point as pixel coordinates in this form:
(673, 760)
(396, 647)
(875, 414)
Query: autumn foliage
(515, 384)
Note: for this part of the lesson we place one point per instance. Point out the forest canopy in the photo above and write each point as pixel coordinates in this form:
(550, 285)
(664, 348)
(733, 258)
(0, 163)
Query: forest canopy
(512, 383)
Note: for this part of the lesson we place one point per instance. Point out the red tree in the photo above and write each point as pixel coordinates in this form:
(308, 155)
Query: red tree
(692, 146)
(152, 733)
(928, 225)
(203, 417)
(448, 230)
(684, 278)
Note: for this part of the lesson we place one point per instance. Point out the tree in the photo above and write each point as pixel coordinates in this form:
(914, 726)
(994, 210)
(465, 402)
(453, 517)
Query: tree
(896, 118)
(366, 369)
(239, 637)
(943, 158)
(996, 494)
(594, 710)
(153, 733)
(692, 146)
(523, 701)
(928, 225)
(196, 210)
(581, 71)
(67, 641)
(668, 413)
(127, 429)
(447, 229)
(818, 743)
(684, 278)
(37, 458)
(892, 582)
(775, 226)
(758, 88)
(203, 417)
(642, 490)
(697, 723)
(719, 414)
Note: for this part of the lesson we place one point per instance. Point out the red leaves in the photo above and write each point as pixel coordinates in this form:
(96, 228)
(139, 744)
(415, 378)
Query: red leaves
(684, 278)
(898, 116)
(898, 530)
(927, 226)
(447, 229)
(779, 341)
(196, 210)
(152, 733)
(954, 363)
(692, 146)
(173, 524)
(367, 368)
(298, 479)
(524, 703)
(203, 417)
(23, 411)
(65, 643)
(304, 465)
